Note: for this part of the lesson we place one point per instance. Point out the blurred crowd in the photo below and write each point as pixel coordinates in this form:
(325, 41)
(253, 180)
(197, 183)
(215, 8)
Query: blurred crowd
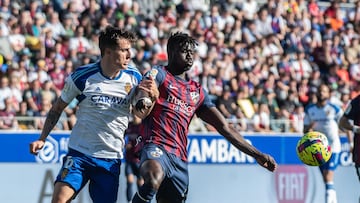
(260, 61)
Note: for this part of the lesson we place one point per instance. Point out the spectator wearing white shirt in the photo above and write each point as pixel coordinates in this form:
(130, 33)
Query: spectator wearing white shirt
(301, 66)
(55, 26)
(16, 39)
(250, 8)
(79, 43)
(263, 23)
(5, 91)
(261, 119)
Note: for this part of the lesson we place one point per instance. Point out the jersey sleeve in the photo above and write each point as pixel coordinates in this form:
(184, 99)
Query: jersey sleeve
(339, 113)
(70, 90)
(157, 73)
(207, 103)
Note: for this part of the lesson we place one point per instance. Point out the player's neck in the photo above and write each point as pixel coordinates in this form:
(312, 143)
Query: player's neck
(176, 73)
(108, 70)
(322, 103)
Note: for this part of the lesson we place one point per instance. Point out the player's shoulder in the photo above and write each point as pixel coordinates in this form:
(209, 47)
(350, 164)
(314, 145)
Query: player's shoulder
(310, 107)
(133, 71)
(157, 69)
(157, 72)
(356, 99)
(85, 71)
(334, 106)
(354, 104)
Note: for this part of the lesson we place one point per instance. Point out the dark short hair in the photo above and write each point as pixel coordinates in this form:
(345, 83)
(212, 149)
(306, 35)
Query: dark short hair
(110, 35)
(179, 39)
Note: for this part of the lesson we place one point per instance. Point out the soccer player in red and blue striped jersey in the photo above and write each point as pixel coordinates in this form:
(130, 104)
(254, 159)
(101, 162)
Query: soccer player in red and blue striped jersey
(350, 120)
(164, 138)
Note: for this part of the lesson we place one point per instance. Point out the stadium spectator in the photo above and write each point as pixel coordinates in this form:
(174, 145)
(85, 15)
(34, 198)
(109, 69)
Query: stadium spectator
(25, 118)
(8, 120)
(258, 97)
(32, 96)
(297, 119)
(261, 118)
(5, 91)
(323, 117)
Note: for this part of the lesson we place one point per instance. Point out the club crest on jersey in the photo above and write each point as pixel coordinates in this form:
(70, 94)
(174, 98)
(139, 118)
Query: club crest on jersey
(156, 153)
(194, 96)
(127, 87)
(64, 173)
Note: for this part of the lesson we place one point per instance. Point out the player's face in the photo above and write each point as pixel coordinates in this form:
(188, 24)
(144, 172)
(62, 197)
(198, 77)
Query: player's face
(323, 93)
(185, 57)
(121, 55)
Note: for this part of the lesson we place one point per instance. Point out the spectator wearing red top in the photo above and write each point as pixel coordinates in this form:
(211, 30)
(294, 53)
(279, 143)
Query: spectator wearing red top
(330, 12)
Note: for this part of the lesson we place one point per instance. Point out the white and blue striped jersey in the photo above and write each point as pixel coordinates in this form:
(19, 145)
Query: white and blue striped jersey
(325, 120)
(104, 109)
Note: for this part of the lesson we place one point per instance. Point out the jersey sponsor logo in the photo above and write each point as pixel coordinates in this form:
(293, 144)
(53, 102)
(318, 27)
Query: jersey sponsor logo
(180, 105)
(110, 100)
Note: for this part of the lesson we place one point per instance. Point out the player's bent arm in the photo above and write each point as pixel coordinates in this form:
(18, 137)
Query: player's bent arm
(345, 123)
(213, 117)
(141, 107)
(52, 118)
(146, 93)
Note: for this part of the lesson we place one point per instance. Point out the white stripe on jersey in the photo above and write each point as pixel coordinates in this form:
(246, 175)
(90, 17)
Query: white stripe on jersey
(326, 121)
(103, 112)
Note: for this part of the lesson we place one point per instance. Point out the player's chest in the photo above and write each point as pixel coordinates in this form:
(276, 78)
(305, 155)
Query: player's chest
(322, 113)
(107, 93)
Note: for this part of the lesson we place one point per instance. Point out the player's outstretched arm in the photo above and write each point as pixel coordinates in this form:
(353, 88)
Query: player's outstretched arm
(213, 117)
(50, 122)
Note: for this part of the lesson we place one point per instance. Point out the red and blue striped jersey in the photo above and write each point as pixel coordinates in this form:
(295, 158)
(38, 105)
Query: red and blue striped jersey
(167, 125)
(353, 112)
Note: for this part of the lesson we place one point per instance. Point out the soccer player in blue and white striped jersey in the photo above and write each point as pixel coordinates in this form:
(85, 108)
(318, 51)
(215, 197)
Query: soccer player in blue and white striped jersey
(323, 117)
(96, 143)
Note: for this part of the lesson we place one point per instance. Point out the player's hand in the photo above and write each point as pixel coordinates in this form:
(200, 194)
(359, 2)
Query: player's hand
(143, 104)
(36, 146)
(267, 162)
(148, 85)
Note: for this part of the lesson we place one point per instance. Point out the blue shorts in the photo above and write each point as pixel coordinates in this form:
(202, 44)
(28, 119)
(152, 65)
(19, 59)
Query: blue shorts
(332, 164)
(176, 182)
(103, 174)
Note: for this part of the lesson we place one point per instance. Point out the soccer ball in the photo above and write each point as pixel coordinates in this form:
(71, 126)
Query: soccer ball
(313, 149)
